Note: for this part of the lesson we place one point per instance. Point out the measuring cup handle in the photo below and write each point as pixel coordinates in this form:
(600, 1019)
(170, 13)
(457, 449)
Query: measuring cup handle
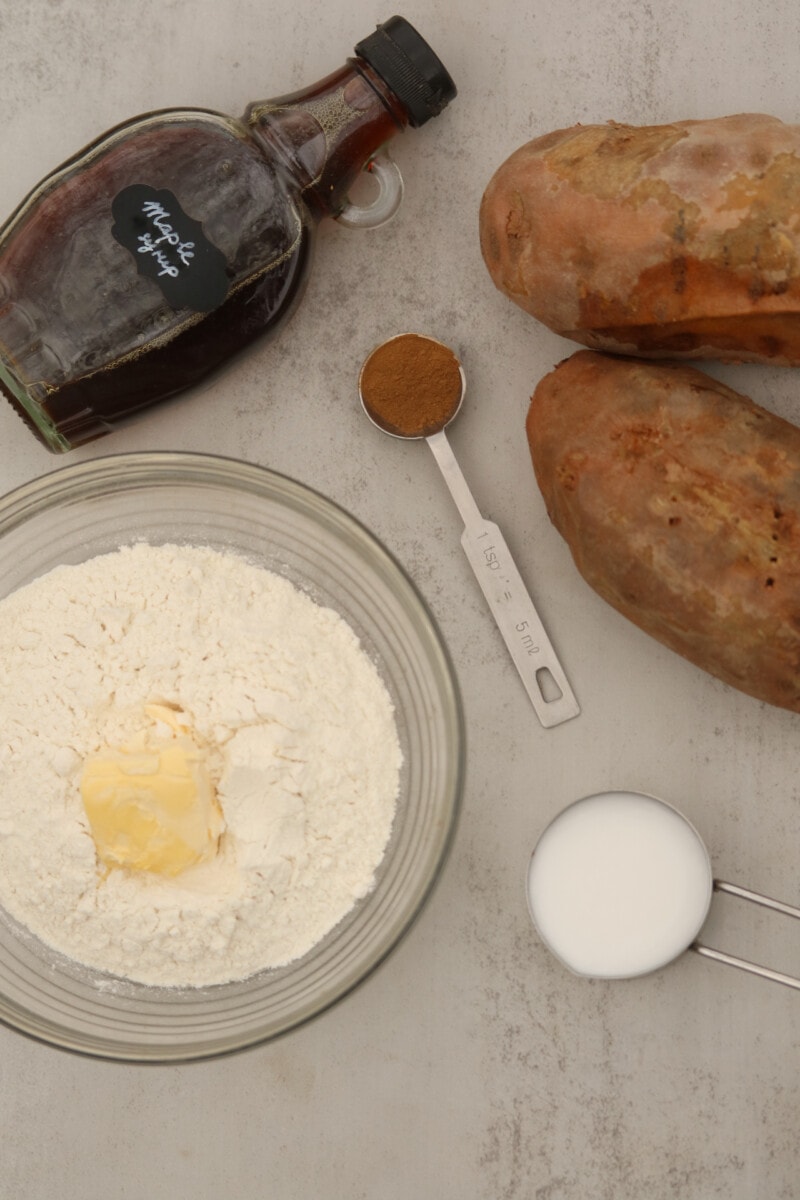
(743, 964)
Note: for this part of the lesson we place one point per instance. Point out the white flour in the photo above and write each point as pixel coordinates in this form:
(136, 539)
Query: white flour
(302, 747)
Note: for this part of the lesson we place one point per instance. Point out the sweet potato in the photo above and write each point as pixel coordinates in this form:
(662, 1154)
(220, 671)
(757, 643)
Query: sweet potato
(675, 240)
(680, 502)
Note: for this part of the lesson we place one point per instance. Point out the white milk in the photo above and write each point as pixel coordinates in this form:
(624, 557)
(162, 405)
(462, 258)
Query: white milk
(619, 884)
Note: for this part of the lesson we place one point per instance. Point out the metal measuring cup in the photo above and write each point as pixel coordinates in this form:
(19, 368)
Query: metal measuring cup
(629, 919)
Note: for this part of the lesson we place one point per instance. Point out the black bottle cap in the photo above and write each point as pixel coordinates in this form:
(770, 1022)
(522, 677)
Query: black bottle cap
(405, 62)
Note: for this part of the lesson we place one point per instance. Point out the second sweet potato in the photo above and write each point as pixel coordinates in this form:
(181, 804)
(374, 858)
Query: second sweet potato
(680, 502)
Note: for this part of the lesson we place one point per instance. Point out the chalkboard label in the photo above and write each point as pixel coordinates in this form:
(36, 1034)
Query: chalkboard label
(169, 247)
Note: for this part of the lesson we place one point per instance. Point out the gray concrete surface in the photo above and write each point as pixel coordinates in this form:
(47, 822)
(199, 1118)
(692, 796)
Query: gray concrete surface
(472, 1066)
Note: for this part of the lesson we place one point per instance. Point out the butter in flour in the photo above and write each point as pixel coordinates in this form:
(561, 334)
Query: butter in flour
(300, 745)
(151, 804)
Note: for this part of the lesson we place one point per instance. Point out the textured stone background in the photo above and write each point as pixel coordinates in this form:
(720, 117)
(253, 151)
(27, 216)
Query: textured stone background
(472, 1066)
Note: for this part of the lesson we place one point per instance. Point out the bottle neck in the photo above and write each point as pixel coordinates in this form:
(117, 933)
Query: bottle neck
(327, 133)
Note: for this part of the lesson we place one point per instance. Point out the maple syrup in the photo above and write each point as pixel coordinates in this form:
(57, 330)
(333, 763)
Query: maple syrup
(148, 261)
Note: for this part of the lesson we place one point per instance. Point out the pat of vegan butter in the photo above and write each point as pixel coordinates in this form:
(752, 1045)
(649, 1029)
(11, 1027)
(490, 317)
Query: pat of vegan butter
(151, 804)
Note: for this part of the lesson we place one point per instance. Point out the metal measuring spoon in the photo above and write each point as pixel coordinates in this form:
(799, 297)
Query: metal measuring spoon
(490, 558)
(620, 884)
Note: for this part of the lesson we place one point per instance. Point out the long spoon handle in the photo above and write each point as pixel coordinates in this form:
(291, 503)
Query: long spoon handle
(519, 623)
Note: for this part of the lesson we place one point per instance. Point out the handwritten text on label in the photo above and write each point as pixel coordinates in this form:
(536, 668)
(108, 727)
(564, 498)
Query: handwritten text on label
(159, 217)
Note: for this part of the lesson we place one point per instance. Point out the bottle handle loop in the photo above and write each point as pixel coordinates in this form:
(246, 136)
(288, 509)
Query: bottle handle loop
(390, 192)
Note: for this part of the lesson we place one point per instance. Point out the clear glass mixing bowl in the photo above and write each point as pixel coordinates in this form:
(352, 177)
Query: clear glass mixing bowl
(94, 507)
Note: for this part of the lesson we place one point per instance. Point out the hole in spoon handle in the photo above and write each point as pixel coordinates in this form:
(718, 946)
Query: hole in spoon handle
(525, 636)
(512, 608)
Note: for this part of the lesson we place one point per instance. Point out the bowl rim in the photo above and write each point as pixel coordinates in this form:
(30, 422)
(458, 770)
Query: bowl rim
(31, 498)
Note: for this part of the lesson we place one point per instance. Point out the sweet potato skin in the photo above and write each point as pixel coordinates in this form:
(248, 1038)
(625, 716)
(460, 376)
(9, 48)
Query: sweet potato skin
(680, 502)
(677, 240)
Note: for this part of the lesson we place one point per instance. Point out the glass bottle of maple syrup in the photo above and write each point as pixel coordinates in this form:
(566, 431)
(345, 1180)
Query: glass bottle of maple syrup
(177, 239)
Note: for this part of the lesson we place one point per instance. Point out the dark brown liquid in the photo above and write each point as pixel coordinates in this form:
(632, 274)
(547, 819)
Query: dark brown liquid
(91, 332)
(96, 403)
(92, 339)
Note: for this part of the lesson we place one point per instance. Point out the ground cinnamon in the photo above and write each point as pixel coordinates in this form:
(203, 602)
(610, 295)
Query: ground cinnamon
(411, 385)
